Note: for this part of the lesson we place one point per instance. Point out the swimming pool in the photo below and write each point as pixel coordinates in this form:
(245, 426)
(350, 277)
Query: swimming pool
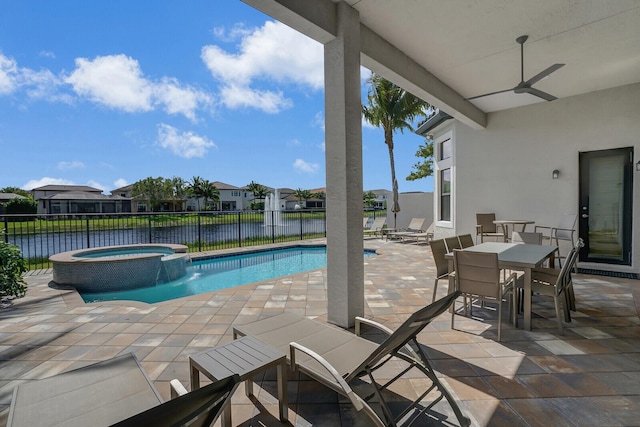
(226, 271)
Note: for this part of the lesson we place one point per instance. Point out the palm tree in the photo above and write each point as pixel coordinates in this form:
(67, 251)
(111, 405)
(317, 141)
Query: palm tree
(392, 108)
(259, 191)
(210, 192)
(369, 199)
(178, 188)
(195, 188)
(303, 195)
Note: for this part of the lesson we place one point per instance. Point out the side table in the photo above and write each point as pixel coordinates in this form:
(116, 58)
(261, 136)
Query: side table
(246, 357)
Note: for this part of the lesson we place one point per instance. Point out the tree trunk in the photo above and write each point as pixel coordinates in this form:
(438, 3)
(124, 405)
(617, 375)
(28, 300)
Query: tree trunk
(388, 139)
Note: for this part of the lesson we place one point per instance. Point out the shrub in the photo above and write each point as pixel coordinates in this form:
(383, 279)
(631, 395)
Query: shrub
(12, 267)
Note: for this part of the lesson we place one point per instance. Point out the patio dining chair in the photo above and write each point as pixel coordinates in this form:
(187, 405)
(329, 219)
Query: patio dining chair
(337, 358)
(486, 228)
(526, 238)
(563, 232)
(452, 243)
(478, 274)
(554, 283)
(466, 241)
(439, 250)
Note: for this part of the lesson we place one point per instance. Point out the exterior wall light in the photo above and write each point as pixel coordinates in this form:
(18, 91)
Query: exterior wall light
(556, 173)
(638, 166)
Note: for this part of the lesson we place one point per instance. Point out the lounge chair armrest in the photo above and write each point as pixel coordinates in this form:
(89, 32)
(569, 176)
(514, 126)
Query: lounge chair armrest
(382, 328)
(177, 389)
(353, 397)
(373, 323)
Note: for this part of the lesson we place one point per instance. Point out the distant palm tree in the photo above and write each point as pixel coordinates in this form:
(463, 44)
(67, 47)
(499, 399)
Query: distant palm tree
(195, 188)
(392, 108)
(369, 199)
(259, 191)
(303, 195)
(177, 191)
(210, 192)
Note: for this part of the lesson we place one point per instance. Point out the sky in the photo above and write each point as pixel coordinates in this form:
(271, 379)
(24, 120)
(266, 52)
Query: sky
(105, 93)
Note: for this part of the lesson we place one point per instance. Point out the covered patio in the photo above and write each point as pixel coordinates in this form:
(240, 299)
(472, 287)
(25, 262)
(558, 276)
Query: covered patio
(588, 376)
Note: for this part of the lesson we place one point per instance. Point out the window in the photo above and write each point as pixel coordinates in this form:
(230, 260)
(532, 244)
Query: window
(445, 195)
(235, 194)
(445, 149)
(444, 179)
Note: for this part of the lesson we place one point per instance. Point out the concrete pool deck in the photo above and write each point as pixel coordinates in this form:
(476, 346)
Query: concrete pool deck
(588, 376)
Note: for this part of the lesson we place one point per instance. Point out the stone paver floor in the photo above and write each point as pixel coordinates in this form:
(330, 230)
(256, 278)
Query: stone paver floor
(588, 376)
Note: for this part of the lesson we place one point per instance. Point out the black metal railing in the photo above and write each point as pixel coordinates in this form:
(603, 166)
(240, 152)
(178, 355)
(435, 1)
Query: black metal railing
(40, 236)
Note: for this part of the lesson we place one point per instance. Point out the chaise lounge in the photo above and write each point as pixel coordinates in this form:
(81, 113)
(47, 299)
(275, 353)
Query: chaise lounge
(337, 358)
(115, 392)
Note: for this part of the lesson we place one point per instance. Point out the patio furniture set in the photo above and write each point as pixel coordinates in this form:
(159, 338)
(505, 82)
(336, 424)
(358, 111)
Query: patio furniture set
(118, 391)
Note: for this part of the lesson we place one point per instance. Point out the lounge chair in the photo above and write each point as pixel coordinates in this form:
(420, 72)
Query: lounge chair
(376, 227)
(415, 226)
(115, 392)
(337, 358)
(426, 235)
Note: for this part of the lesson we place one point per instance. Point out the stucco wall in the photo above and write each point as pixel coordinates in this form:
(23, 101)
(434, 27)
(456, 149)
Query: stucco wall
(412, 205)
(507, 167)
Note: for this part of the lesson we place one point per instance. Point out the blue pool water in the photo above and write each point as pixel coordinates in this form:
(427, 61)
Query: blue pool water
(224, 272)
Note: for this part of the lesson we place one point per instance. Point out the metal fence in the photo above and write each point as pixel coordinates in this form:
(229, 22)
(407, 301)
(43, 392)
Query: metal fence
(40, 236)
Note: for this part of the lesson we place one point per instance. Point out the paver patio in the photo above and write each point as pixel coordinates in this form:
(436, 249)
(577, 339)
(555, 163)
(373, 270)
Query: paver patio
(588, 376)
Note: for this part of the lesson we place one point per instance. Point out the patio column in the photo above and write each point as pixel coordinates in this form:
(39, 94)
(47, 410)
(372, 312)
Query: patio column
(343, 142)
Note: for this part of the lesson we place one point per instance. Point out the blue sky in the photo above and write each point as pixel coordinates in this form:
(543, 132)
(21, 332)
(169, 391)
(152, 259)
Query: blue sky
(104, 93)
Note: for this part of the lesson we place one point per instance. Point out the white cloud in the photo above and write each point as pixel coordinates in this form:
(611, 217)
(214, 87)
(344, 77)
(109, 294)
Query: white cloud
(236, 32)
(305, 167)
(117, 81)
(35, 183)
(70, 165)
(318, 120)
(185, 144)
(47, 54)
(96, 184)
(114, 80)
(120, 182)
(233, 96)
(323, 146)
(8, 74)
(273, 53)
(178, 99)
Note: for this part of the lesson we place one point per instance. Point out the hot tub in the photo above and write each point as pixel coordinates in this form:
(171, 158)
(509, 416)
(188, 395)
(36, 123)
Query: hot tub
(117, 268)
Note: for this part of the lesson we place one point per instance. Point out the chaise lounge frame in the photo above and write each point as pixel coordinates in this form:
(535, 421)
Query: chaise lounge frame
(336, 358)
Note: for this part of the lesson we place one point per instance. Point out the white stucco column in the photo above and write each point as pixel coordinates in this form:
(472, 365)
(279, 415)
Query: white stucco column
(343, 133)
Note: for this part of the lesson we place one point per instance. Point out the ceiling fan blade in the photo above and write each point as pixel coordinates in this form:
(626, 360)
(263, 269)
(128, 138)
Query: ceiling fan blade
(541, 75)
(541, 94)
(488, 94)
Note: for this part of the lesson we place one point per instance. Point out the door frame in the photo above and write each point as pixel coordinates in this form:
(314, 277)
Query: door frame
(627, 208)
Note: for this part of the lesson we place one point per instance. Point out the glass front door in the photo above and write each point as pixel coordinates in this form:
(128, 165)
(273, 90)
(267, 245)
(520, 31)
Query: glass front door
(606, 179)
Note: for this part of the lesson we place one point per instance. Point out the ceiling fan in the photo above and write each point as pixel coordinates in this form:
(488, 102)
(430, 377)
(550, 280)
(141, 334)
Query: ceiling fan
(526, 87)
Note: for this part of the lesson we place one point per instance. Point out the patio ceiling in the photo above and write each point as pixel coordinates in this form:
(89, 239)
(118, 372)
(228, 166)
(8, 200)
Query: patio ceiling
(468, 47)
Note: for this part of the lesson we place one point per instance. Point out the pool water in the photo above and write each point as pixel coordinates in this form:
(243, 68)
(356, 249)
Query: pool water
(224, 272)
(97, 253)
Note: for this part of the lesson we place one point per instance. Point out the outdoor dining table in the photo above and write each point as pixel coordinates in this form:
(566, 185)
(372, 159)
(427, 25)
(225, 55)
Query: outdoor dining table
(505, 223)
(513, 256)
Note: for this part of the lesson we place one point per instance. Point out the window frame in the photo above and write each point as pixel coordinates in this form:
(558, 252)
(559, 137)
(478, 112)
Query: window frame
(439, 167)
